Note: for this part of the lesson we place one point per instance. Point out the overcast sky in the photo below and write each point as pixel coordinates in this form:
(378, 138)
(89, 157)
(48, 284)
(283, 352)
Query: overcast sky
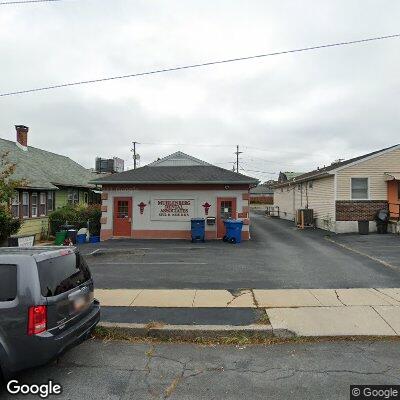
(290, 112)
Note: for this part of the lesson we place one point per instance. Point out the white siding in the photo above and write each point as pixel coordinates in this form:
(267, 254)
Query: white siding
(374, 169)
(284, 200)
(319, 197)
(144, 221)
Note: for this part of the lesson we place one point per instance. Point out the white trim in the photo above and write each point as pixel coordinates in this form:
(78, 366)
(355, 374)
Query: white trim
(26, 205)
(41, 204)
(351, 188)
(34, 194)
(15, 203)
(397, 147)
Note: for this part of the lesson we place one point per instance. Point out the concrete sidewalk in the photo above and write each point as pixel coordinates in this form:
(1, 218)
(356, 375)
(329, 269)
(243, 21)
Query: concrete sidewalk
(305, 312)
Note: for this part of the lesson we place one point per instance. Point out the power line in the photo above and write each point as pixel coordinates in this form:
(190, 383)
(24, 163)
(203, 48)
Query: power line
(159, 71)
(5, 3)
(187, 144)
(256, 170)
(255, 159)
(295, 152)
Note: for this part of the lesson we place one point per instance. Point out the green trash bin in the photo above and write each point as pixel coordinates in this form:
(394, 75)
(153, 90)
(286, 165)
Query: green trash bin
(60, 237)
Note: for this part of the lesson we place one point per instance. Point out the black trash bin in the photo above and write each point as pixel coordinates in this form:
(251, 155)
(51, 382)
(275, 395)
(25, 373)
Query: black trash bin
(363, 227)
(72, 234)
(382, 221)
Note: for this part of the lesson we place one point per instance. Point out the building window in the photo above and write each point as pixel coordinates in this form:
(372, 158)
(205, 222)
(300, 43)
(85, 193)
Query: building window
(15, 205)
(359, 189)
(50, 201)
(25, 205)
(42, 205)
(34, 205)
(311, 184)
(86, 197)
(73, 197)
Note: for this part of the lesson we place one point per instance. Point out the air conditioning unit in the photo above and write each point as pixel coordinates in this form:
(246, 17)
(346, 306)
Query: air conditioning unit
(305, 218)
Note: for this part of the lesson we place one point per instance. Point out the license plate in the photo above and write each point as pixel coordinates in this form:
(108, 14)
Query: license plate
(81, 303)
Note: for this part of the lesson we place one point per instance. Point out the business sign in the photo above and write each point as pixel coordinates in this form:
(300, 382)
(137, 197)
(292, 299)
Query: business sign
(172, 209)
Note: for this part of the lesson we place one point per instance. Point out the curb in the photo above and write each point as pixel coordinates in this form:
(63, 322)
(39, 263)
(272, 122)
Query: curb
(190, 332)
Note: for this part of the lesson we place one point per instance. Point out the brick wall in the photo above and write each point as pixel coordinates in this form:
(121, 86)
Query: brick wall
(358, 210)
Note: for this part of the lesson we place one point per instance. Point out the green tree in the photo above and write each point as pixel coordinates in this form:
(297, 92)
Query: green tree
(8, 224)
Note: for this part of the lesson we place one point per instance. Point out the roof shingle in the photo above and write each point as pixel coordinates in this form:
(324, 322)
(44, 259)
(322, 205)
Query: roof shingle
(43, 169)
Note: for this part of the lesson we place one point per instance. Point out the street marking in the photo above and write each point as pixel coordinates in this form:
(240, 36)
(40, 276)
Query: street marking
(94, 252)
(386, 264)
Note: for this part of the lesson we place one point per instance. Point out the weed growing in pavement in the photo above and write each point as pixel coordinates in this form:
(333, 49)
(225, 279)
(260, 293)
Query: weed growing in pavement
(235, 339)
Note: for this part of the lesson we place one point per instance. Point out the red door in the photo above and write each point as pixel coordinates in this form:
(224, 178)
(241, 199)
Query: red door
(226, 208)
(123, 216)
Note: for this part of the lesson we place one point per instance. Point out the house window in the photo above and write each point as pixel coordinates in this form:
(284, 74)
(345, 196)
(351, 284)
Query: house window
(311, 184)
(34, 205)
(15, 205)
(50, 201)
(359, 188)
(42, 205)
(73, 197)
(25, 204)
(86, 197)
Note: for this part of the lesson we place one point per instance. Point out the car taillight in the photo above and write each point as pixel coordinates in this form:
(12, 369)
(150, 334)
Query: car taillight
(37, 320)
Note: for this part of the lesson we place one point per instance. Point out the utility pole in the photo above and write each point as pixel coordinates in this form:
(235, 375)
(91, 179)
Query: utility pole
(237, 157)
(134, 154)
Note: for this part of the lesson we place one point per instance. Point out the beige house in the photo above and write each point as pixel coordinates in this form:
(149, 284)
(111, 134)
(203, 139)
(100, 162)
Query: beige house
(345, 192)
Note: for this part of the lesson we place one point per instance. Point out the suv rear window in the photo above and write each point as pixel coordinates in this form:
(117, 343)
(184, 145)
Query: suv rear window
(8, 282)
(61, 274)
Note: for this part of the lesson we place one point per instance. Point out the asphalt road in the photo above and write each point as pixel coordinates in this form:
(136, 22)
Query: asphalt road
(121, 370)
(278, 256)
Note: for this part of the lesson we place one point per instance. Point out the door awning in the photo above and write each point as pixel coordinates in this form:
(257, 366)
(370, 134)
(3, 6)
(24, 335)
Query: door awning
(392, 176)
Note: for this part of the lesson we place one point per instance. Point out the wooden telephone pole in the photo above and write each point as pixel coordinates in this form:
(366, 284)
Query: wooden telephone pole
(237, 157)
(134, 154)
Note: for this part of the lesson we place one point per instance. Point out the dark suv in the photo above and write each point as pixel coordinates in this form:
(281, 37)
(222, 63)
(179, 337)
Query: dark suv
(46, 304)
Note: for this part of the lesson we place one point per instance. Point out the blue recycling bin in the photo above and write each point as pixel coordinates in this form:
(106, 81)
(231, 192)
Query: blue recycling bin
(233, 230)
(198, 229)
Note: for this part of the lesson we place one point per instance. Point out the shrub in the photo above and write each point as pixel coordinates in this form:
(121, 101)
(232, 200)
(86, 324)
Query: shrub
(78, 216)
(8, 224)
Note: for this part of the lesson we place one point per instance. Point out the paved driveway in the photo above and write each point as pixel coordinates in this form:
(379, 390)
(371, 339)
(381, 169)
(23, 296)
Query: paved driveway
(278, 256)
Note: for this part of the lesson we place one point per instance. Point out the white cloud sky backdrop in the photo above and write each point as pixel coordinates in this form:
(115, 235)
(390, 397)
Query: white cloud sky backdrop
(289, 112)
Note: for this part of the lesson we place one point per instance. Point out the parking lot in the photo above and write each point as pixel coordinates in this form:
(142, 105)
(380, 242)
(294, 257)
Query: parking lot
(278, 256)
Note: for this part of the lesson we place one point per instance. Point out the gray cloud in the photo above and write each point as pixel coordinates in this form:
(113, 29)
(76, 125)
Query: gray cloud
(292, 112)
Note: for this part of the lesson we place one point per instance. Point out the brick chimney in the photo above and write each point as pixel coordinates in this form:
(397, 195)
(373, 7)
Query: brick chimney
(22, 136)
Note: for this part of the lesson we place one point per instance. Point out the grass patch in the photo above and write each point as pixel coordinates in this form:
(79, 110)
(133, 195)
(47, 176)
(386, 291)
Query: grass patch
(263, 319)
(154, 325)
(108, 334)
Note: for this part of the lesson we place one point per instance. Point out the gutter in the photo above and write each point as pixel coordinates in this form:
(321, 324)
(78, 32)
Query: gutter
(295, 181)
